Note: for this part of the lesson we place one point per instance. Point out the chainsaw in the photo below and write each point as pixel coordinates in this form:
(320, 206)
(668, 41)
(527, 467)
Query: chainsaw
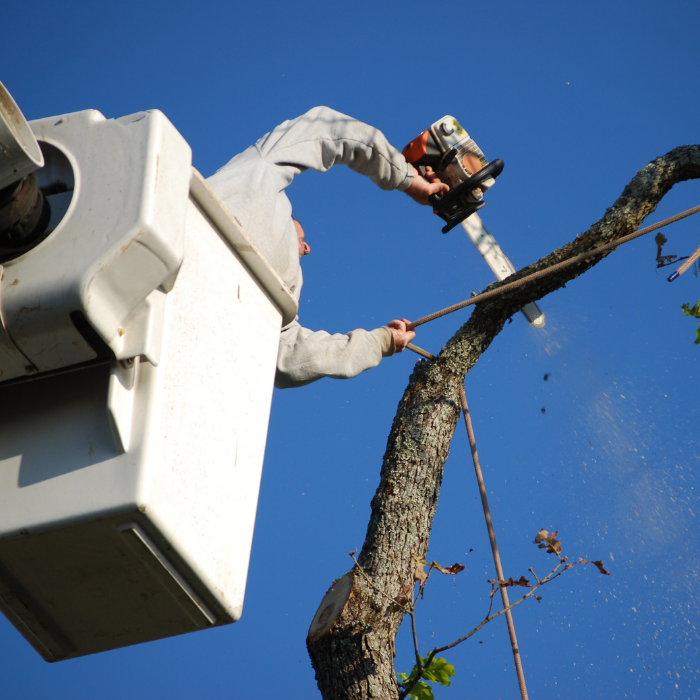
(452, 154)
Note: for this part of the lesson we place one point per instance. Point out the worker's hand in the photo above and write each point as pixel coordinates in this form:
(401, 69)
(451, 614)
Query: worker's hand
(422, 188)
(402, 337)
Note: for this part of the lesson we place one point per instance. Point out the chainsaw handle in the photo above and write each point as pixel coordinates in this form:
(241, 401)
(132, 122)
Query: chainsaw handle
(435, 199)
(493, 169)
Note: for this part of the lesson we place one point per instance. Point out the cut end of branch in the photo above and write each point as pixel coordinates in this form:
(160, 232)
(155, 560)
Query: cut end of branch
(331, 607)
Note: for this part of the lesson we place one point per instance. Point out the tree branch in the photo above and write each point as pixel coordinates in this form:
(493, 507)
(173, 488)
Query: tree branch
(355, 659)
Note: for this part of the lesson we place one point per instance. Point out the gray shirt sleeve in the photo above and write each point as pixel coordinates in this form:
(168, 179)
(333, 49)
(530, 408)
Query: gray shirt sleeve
(305, 355)
(322, 138)
(252, 184)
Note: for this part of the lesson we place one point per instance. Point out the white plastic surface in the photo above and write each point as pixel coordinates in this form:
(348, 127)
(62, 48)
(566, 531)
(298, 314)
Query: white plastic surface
(140, 525)
(129, 486)
(498, 262)
(121, 237)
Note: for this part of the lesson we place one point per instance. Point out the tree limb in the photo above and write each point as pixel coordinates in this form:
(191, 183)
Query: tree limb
(355, 659)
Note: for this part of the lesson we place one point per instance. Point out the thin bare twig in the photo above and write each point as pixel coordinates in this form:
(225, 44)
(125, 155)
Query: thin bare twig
(415, 635)
(491, 597)
(555, 573)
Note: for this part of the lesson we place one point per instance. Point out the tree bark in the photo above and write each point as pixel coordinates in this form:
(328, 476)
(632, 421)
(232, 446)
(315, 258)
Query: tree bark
(355, 658)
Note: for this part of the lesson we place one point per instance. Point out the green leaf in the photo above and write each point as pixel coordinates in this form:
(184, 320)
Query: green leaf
(439, 671)
(695, 311)
(420, 691)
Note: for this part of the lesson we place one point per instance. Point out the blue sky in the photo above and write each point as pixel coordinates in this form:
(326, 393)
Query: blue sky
(575, 98)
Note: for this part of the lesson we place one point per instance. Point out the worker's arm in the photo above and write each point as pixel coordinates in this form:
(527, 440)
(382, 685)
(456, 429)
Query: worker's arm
(305, 355)
(252, 184)
(322, 138)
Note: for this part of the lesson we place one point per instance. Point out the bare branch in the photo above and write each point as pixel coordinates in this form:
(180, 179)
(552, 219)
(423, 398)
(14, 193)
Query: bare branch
(555, 573)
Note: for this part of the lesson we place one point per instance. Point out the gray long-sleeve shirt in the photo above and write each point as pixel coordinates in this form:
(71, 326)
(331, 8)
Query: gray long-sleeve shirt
(252, 185)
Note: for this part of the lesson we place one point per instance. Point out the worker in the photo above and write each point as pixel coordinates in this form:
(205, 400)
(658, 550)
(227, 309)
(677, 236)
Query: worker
(252, 187)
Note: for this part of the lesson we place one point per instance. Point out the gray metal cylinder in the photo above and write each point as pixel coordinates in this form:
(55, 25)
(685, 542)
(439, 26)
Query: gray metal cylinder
(20, 154)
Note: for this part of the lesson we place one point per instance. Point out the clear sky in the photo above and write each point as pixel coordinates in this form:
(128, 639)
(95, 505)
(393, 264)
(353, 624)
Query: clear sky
(575, 98)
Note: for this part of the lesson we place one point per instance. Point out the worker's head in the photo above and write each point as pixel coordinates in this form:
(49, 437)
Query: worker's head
(304, 247)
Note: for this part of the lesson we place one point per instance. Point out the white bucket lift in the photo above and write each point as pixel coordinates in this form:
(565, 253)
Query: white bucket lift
(137, 356)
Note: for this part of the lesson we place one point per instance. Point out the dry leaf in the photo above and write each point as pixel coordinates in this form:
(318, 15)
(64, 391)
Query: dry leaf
(454, 569)
(522, 581)
(420, 575)
(403, 599)
(598, 564)
(548, 541)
